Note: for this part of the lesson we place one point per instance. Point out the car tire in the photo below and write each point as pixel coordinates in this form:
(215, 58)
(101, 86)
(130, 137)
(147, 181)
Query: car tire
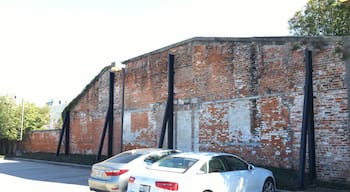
(269, 186)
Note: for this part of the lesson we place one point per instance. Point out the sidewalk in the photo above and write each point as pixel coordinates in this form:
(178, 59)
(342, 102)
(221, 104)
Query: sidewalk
(49, 162)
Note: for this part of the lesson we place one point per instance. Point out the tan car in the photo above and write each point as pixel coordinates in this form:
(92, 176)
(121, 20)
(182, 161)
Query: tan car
(111, 175)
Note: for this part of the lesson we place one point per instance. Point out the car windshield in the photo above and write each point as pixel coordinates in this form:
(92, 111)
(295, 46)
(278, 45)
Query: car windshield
(123, 157)
(177, 162)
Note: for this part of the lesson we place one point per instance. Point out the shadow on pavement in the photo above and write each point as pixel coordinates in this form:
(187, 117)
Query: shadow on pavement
(49, 172)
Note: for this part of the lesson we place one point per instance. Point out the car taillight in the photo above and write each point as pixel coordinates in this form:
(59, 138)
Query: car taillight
(131, 179)
(172, 186)
(116, 172)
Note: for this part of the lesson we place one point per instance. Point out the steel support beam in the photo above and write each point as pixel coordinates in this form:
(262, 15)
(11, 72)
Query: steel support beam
(311, 127)
(109, 121)
(111, 113)
(64, 131)
(307, 130)
(104, 130)
(169, 111)
(171, 101)
(67, 136)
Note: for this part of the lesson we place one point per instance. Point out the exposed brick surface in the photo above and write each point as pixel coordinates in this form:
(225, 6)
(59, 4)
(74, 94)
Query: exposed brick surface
(243, 96)
(42, 141)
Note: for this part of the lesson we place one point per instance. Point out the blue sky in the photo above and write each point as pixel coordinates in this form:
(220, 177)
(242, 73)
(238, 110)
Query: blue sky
(52, 48)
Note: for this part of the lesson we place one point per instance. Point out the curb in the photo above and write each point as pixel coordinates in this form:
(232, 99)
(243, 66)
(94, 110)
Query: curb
(49, 162)
(315, 190)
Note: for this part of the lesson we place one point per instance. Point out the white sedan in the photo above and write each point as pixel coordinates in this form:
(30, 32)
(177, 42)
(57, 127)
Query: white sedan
(202, 172)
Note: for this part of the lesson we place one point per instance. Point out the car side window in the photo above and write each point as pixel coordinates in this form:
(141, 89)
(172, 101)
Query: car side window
(235, 164)
(216, 165)
(125, 157)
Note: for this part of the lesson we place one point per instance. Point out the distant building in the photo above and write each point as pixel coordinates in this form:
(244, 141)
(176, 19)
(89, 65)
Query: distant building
(56, 108)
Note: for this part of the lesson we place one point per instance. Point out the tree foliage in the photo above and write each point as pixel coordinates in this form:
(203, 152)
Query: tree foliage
(322, 17)
(8, 122)
(11, 117)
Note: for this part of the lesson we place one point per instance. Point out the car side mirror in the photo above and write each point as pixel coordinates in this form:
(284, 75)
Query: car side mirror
(250, 167)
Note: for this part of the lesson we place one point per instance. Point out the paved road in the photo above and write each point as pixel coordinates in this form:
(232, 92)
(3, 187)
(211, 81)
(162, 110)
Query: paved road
(40, 176)
(29, 176)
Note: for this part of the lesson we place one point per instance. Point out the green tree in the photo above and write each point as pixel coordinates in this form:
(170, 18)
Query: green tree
(9, 118)
(322, 17)
(35, 118)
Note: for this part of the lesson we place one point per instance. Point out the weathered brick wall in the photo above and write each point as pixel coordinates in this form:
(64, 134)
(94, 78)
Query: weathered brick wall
(41, 141)
(240, 95)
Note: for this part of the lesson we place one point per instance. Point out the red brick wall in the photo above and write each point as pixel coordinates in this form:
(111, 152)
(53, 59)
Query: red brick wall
(240, 95)
(41, 141)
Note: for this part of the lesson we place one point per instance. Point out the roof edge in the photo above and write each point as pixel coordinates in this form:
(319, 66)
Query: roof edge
(238, 39)
(73, 103)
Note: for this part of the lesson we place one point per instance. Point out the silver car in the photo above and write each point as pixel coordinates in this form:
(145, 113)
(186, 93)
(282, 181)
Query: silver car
(112, 174)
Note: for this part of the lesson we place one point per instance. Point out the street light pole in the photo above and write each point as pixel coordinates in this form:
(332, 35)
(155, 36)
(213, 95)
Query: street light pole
(22, 121)
(111, 113)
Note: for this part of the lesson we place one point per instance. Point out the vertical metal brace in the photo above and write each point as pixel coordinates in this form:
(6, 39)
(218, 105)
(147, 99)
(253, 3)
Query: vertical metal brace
(165, 121)
(169, 111)
(67, 140)
(64, 131)
(311, 127)
(171, 101)
(111, 113)
(109, 121)
(307, 126)
(104, 130)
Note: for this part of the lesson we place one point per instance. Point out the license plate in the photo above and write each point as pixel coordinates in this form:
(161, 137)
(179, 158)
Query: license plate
(99, 173)
(144, 188)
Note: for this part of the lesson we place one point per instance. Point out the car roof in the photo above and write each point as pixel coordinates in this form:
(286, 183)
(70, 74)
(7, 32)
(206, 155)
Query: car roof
(148, 150)
(201, 154)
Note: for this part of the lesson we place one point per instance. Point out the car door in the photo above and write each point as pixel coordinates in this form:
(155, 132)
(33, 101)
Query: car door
(241, 178)
(213, 177)
(228, 180)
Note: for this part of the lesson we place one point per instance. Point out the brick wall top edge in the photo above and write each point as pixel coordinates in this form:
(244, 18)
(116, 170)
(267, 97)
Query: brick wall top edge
(73, 103)
(46, 130)
(271, 40)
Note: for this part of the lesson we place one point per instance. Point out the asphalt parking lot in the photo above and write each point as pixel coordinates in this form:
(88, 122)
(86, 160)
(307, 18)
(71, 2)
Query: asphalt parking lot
(34, 176)
(43, 176)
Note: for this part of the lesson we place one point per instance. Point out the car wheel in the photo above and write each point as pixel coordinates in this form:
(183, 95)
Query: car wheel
(269, 186)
